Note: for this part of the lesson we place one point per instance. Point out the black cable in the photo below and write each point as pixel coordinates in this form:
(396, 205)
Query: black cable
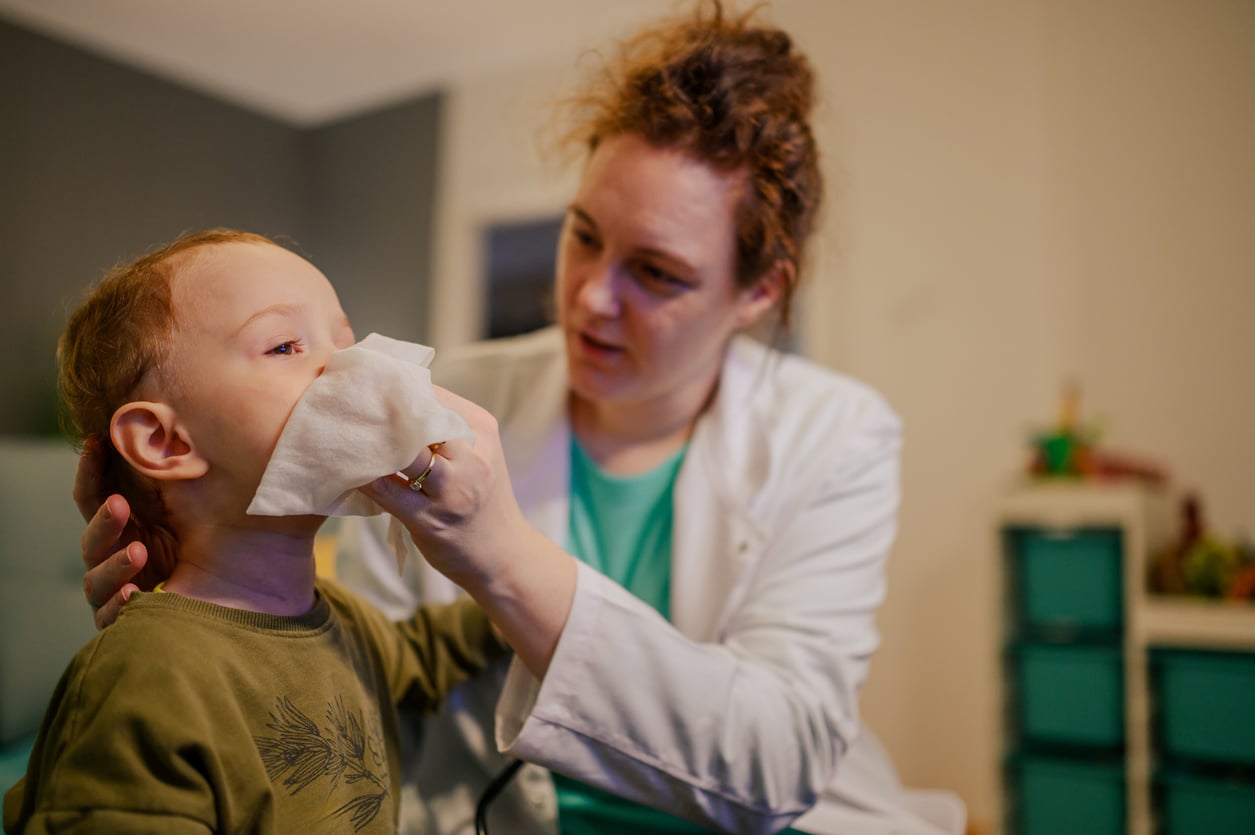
(490, 793)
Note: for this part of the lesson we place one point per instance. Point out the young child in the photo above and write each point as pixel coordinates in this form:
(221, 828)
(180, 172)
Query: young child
(244, 695)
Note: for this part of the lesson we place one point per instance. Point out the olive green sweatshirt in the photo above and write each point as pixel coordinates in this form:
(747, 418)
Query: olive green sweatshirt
(189, 717)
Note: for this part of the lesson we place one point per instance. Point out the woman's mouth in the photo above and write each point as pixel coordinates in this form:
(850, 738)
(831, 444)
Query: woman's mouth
(598, 348)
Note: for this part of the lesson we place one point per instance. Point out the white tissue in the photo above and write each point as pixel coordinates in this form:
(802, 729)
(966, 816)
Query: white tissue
(369, 414)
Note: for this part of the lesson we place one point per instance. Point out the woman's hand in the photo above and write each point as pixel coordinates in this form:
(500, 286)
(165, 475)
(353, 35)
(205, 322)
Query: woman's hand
(110, 569)
(465, 512)
(468, 525)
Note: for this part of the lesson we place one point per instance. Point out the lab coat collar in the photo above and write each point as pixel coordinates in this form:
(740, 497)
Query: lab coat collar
(537, 437)
(720, 492)
(717, 538)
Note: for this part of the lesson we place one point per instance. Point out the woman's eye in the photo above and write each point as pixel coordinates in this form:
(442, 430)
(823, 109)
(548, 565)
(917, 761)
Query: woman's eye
(583, 238)
(657, 275)
(285, 349)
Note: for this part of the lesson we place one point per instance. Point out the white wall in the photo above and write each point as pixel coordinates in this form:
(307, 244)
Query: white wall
(1021, 192)
(944, 299)
(492, 136)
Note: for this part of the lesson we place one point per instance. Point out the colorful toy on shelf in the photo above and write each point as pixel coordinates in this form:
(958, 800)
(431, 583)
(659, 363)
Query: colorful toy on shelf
(1242, 582)
(1070, 451)
(1242, 586)
(1199, 564)
(1167, 567)
(1061, 451)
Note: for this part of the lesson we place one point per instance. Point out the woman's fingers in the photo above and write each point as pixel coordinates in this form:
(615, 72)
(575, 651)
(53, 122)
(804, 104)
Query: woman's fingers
(455, 402)
(111, 577)
(426, 459)
(88, 492)
(107, 584)
(482, 422)
(391, 492)
(425, 481)
(104, 530)
(108, 613)
(429, 468)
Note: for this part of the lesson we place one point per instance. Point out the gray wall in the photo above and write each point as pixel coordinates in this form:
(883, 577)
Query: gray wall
(99, 162)
(373, 190)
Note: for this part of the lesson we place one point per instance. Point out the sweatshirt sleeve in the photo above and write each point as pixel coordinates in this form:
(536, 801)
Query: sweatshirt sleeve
(104, 760)
(104, 822)
(436, 649)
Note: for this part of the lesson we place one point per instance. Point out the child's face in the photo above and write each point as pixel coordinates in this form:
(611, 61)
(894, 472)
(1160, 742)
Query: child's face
(255, 326)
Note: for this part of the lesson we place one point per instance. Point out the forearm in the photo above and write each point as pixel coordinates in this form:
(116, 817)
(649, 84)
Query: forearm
(527, 594)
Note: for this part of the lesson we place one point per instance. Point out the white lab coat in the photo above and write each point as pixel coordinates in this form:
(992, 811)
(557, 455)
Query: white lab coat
(741, 713)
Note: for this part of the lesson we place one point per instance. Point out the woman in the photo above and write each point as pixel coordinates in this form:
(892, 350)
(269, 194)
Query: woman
(732, 508)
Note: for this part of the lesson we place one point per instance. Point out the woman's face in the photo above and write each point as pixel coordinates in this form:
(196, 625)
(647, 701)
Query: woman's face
(647, 297)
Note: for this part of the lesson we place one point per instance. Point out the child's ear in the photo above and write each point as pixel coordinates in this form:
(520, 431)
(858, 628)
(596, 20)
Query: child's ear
(762, 296)
(153, 441)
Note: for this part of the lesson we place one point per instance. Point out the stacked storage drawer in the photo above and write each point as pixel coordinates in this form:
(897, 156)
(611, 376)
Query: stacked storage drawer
(1204, 736)
(1064, 661)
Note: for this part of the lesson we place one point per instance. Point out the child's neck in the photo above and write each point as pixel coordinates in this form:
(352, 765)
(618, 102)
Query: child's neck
(257, 570)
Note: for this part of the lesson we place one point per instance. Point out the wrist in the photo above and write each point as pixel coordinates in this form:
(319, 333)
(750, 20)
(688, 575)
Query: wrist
(528, 597)
(500, 566)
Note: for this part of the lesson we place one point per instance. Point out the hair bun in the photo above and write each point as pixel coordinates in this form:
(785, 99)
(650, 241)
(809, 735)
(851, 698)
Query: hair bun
(734, 94)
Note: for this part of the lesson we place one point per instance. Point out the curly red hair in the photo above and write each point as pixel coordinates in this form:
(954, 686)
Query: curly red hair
(736, 96)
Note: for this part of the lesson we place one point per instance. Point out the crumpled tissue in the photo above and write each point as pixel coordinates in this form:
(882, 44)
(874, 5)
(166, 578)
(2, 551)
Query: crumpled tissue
(369, 413)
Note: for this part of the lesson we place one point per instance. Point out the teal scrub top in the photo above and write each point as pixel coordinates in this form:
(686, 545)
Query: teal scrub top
(621, 526)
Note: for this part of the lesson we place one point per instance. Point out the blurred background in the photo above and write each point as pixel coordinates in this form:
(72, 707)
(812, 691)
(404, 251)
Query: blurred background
(1023, 195)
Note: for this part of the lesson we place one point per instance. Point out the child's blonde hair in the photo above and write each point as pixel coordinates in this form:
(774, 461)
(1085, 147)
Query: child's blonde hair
(120, 333)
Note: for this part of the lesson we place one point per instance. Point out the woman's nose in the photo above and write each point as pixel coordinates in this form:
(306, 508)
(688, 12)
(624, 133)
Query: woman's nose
(599, 293)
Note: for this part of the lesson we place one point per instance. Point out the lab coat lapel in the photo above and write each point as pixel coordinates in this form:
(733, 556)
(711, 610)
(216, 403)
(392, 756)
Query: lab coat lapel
(537, 436)
(715, 538)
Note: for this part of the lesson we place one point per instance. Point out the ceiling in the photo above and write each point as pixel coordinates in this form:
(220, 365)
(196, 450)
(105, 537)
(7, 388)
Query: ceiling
(313, 61)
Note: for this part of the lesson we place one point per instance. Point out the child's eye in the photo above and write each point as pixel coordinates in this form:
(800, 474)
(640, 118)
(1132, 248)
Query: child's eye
(285, 349)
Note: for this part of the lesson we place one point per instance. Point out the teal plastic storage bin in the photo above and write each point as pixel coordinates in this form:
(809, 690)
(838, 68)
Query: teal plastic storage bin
(1199, 806)
(1056, 796)
(1205, 703)
(1069, 580)
(1071, 694)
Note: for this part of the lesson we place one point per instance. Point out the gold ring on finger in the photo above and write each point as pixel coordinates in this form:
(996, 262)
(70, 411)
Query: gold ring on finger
(416, 483)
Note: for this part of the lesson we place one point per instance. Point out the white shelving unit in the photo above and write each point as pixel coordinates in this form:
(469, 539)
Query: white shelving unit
(1148, 520)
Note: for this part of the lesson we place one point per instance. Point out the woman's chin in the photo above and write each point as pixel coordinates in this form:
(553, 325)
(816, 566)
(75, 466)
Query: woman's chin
(597, 385)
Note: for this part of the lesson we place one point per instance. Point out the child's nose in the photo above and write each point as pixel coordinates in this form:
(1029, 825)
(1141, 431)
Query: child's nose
(322, 366)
